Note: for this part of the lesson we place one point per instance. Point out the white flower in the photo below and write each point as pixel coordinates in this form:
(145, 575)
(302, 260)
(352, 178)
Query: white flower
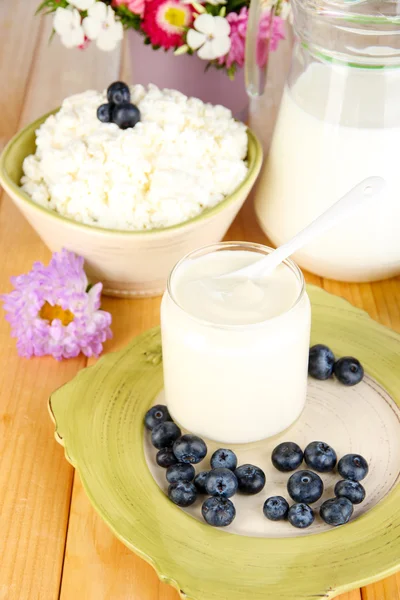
(100, 25)
(210, 36)
(81, 4)
(67, 23)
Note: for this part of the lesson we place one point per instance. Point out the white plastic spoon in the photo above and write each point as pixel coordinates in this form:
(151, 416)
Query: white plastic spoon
(367, 189)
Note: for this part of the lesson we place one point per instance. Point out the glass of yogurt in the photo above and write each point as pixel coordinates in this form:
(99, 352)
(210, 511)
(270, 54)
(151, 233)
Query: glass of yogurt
(235, 351)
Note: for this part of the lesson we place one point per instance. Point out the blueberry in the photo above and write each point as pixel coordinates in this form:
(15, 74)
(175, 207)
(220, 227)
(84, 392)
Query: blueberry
(118, 93)
(165, 434)
(320, 457)
(125, 115)
(287, 456)
(182, 493)
(352, 490)
(221, 482)
(336, 511)
(276, 508)
(320, 362)
(200, 481)
(353, 466)
(104, 113)
(180, 472)
(301, 515)
(305, 486)
(251, 479)
(190, 449)
(156, 415)
(223, 459)
(165, 458)
(218, 512)
(349, 370)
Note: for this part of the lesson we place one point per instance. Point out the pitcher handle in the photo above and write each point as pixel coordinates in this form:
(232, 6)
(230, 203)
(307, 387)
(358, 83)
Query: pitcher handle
(255, 75)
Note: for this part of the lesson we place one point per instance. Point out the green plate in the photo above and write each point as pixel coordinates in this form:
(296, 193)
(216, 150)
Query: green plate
(99, 420)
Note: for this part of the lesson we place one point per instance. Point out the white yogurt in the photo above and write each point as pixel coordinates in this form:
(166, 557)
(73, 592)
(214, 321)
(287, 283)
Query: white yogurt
(336, 127)
(235, 353)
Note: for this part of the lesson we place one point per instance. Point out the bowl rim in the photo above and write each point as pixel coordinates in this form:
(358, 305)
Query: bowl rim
(10, 186)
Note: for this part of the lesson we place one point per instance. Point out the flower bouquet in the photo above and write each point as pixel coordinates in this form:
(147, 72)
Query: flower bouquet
(215, 30)
(190, 36)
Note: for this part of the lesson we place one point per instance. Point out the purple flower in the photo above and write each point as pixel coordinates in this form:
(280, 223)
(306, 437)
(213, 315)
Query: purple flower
(51, 311)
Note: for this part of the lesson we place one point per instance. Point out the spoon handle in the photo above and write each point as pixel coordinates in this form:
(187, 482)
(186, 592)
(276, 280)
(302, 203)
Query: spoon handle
(367, 189)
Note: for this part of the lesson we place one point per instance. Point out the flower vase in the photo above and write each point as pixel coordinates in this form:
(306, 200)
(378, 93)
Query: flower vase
(187, 73)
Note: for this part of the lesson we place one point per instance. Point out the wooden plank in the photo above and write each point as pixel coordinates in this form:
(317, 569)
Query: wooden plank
(35, 479)
(388, 589)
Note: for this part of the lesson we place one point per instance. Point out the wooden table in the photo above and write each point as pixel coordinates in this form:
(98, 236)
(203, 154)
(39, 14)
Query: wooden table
(52, 543)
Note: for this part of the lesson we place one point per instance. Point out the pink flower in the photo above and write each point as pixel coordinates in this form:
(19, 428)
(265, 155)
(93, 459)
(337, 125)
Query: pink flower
(51, 311)
(277, 34)
(165, 22)
(238, 23)
(86, 43)
(135, 6)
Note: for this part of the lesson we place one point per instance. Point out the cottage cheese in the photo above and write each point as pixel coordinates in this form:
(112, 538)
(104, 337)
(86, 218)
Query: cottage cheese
(183, 157)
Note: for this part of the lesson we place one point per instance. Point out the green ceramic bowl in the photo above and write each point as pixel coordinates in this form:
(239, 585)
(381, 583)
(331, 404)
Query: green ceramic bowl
(129, 263)
(99, 420)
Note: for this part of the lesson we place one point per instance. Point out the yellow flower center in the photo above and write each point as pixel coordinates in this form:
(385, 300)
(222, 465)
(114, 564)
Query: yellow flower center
(175, 16)
(48, 312)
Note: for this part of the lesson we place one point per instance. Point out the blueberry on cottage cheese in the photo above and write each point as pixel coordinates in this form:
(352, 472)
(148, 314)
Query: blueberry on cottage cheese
(218, 512)
(336, 511)
(190, 449)
(301, 515)
(156, 415)
(165, 434)
(104, 113)
(353, 490)
(305, 486)
(182, 493)
(223, 459)
(221, 482)
(276, 508)
(320, 456)
(287, 456)
(180, 472)
(118, 93)
(125, 115)
(320, 362)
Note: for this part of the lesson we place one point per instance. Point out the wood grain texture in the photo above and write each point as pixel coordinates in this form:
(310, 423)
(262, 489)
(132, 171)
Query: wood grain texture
(35, 480)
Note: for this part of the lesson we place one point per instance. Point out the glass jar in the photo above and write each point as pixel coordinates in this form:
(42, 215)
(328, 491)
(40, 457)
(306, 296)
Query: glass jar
(339, 122)
(235, 383)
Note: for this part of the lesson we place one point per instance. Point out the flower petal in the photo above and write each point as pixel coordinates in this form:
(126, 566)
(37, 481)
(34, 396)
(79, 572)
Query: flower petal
(195, 39)
(62, 20)
(205, 23)
(98, 11)
(82, 4)
(215, 48)
(206, 52)
(74, 38)
(109, 38)
(222, 26)
(91, 27)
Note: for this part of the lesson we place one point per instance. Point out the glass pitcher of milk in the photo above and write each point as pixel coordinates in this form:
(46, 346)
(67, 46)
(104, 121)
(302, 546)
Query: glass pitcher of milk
(339, 122)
